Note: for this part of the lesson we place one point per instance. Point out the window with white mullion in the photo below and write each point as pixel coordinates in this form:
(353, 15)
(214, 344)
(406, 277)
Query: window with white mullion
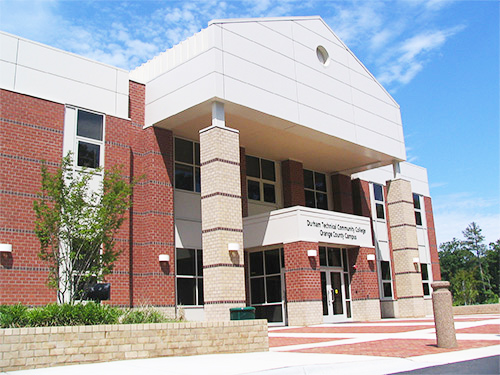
(426, 282)
(89, 139)
(378, 196)
(418, 209)
(386, 279)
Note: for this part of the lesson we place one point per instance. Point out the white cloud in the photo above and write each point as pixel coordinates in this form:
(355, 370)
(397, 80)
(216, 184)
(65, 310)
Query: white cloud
(454, 212)
(409, 58)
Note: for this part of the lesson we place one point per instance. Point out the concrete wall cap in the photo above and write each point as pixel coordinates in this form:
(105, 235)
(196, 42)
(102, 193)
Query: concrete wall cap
(440, 284)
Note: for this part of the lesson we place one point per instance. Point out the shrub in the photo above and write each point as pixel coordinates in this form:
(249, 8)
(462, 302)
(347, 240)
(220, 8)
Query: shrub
(143, 315)
(14, 316)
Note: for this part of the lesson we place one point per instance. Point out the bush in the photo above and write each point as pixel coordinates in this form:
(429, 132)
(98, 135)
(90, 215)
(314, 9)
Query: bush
(14, 316)
(144, 315)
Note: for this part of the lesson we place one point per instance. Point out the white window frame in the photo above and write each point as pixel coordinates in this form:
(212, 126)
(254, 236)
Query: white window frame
(78, 138)
(418, 210)
(428, 281)
(383, 281)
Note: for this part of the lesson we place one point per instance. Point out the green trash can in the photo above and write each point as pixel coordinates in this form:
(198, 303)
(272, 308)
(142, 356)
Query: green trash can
(242, 313)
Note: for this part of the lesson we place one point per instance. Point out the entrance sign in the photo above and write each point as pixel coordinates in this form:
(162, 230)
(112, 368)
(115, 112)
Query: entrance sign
(307, 224)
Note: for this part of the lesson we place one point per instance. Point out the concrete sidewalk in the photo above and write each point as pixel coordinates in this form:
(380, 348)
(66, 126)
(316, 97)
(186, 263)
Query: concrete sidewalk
(381, 347)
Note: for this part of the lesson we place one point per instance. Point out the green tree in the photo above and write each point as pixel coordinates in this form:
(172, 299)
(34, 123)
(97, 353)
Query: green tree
(76, 225)
(470, 263)
(464, 287)
(492, 260)
(474, 242)
(454, 256)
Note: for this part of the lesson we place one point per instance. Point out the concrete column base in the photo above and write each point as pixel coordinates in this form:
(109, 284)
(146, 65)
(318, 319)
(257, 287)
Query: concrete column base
(367, 309)
(304, 313)
(413, 307)
(219, 311)
(389, 309)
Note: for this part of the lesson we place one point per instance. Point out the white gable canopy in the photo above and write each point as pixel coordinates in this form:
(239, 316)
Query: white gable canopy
(289, 85)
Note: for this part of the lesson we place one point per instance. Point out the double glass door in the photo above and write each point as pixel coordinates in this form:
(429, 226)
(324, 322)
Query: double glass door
(335, 288)
(332, 287)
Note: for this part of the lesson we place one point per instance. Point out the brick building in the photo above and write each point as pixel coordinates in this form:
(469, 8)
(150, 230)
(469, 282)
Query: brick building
(274, 175)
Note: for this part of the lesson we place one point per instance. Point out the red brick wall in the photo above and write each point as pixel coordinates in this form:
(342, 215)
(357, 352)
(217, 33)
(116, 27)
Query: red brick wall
(342, 194)
(431, 233)
(361, 197)
(293, 183)
(31, 130)
(364, 279)
(154, 220)
(303, 279)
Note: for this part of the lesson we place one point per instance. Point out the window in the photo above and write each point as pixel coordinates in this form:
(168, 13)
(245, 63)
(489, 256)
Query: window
(261, 179)
(266, 285)
(378, 194)
(418, 209)
(189, 268)
(386, 278)
(425, 279)
(315, 189)
(89, 138)
(187, 165)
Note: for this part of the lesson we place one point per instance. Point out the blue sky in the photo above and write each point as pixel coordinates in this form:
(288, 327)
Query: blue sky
(438, 58)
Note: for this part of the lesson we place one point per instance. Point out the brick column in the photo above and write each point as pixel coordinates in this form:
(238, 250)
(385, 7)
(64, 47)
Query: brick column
(303, 284)
(221, 222)
(401, 217)
(153, 221)
(364, 285)
(342, 194)
(361, 197)
(431, 234)
(293, 183)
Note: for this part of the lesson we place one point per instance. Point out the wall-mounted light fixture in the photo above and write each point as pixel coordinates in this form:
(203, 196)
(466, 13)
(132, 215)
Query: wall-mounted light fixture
(370, 257)
(416, 260)
(5, 248)
(312, 253)
(233, 246)
(164, 258)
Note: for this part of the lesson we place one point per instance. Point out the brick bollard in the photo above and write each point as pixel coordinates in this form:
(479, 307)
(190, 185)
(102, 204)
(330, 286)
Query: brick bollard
(443, 315)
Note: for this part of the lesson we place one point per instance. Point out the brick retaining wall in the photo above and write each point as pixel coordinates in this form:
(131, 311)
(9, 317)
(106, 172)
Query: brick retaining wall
(476, 309)
(26, 348)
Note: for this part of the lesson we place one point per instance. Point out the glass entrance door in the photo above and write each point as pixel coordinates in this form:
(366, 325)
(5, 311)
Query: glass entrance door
(332, 293)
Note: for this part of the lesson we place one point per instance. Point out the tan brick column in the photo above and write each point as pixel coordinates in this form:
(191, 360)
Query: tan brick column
(221, 222)
(402, 225)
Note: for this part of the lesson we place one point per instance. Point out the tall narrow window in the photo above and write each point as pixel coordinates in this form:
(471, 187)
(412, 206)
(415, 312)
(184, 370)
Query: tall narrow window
(425, 279)
(378, 194)
(315, 189)
(261, 179)
(266, 284)
(187, 165)
(418, 209)
(89, 138)
(386, 278)
(189, 269)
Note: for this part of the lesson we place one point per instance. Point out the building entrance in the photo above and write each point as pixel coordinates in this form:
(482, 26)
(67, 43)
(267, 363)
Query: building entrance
(335, 286)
